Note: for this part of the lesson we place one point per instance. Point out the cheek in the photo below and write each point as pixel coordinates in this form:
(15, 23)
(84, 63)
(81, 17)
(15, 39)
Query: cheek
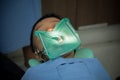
(37, 43)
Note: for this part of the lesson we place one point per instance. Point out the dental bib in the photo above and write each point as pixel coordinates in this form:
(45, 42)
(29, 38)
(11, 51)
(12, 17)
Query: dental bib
(61, 40)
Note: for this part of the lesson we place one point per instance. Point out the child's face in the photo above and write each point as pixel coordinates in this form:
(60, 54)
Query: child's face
(46, 24)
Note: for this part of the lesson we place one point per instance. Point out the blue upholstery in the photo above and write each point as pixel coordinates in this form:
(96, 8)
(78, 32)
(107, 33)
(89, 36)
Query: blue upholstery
(68, 69)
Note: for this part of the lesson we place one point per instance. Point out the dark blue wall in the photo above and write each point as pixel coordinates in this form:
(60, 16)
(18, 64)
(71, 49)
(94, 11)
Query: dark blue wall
(17, 18)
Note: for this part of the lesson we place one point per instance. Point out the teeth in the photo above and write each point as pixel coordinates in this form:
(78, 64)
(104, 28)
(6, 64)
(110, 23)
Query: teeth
(37, 51)
(60, 40)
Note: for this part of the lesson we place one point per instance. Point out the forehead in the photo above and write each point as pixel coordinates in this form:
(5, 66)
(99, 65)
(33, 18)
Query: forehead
(46, 23)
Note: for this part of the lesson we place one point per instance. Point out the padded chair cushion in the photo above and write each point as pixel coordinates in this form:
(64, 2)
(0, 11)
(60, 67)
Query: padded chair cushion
(84, 53)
